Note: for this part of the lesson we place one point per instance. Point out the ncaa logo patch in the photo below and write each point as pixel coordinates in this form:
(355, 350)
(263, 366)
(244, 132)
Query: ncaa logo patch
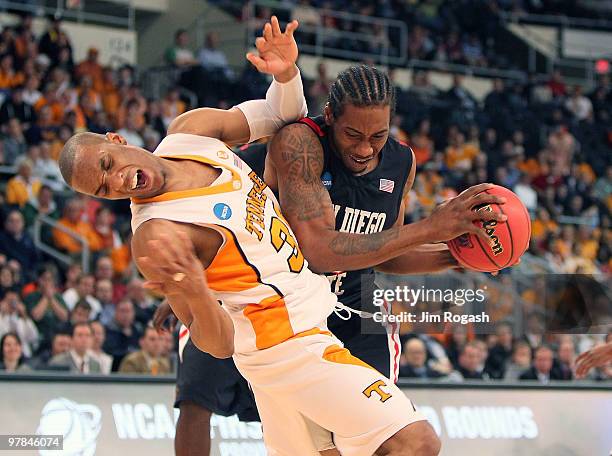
(222, 211)
(326, 179)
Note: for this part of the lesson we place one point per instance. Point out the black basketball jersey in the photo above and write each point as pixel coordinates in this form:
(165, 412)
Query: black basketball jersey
(363, 204)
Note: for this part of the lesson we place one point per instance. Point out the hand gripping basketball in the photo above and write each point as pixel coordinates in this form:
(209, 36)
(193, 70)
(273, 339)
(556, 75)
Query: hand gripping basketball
(504, 242)
(456, 216)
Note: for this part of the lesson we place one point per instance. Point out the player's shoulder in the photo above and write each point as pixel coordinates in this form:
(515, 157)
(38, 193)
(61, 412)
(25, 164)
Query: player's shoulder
(299, 128)
(401, 151)
(402, 146)
(295, 138)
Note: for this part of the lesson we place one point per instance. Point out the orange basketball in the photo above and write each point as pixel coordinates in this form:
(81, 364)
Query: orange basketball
(510, 238)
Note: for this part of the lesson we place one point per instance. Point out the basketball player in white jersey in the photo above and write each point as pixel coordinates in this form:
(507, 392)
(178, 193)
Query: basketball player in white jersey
(208, 231)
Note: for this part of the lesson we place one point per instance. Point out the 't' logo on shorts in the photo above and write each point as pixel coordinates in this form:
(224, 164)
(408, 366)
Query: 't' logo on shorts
(376, 387)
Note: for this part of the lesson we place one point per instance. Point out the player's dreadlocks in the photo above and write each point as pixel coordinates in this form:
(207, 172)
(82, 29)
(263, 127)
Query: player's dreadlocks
(361, 86)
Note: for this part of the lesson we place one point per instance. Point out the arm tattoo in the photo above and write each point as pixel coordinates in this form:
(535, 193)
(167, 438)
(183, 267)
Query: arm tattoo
(355, 244)
(302, 160)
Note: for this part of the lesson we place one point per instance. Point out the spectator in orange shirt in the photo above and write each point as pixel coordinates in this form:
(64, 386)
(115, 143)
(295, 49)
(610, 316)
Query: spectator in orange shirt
(89, 98)
(24, 39)
(110, 94)
(133, 104)
(51, 99)
(103, 224)
(23, 187)
(91, 68)
(72, 221)
(9, 78)
(421, 142)
(459, 154)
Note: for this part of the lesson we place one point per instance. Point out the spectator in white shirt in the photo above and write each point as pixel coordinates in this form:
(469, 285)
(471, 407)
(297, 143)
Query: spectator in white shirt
(14, 318)
(83, 290)
(99, 335)
(104, 293)
(526, 193)
(578, 104)
(48, 169)
(211, 58)
(31, 94)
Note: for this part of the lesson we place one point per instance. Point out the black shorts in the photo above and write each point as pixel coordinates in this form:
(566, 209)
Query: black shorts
(214, 384)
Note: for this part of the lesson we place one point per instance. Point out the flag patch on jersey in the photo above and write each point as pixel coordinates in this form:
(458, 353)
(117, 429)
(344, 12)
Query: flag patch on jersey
(386, 185)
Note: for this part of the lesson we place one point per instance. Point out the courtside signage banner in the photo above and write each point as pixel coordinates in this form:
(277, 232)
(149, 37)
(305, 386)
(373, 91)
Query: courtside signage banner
(138, 419)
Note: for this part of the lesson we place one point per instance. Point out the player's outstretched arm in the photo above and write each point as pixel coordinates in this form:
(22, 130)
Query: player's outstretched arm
(297, 157)
(276, 55)
(166, 255)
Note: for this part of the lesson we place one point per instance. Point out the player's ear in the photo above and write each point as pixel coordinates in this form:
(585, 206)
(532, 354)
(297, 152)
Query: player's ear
(116, 138)
(328, 115)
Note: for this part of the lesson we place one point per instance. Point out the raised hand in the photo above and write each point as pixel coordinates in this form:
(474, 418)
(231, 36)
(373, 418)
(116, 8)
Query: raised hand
(277, 51)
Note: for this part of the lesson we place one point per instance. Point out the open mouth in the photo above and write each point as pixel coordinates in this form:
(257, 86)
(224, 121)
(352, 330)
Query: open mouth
(139, 180)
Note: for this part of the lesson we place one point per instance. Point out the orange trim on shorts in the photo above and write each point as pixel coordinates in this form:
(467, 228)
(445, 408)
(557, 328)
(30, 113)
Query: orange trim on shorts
(270, 321)
(337, 354)
(234, 184)
(229, 271)
(311, 332)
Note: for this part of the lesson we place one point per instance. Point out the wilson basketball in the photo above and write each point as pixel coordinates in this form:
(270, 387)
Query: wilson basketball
(510, 238)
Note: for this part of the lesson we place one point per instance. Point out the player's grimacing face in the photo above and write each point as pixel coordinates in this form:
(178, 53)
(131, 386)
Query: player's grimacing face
(359, 135)
(116, 171)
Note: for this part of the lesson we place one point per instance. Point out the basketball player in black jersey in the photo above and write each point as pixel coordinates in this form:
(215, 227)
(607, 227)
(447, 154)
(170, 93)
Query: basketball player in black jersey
(342, 184)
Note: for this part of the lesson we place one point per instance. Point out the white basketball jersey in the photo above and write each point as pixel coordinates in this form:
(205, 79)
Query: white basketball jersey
(259, 274)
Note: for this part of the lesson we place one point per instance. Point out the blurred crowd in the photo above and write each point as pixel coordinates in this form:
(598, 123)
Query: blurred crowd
(445, 31)
(547, 141)
(460, 356)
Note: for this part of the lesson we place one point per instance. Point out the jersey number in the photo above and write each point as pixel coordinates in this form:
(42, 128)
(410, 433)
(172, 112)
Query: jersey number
(280, 236)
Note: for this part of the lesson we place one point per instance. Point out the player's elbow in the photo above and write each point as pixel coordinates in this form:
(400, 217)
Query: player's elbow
(219, 346)
(218, 350)
(179, 124)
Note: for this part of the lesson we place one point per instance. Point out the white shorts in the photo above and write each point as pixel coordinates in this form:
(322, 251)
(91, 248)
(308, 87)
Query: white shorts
(313, 378)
